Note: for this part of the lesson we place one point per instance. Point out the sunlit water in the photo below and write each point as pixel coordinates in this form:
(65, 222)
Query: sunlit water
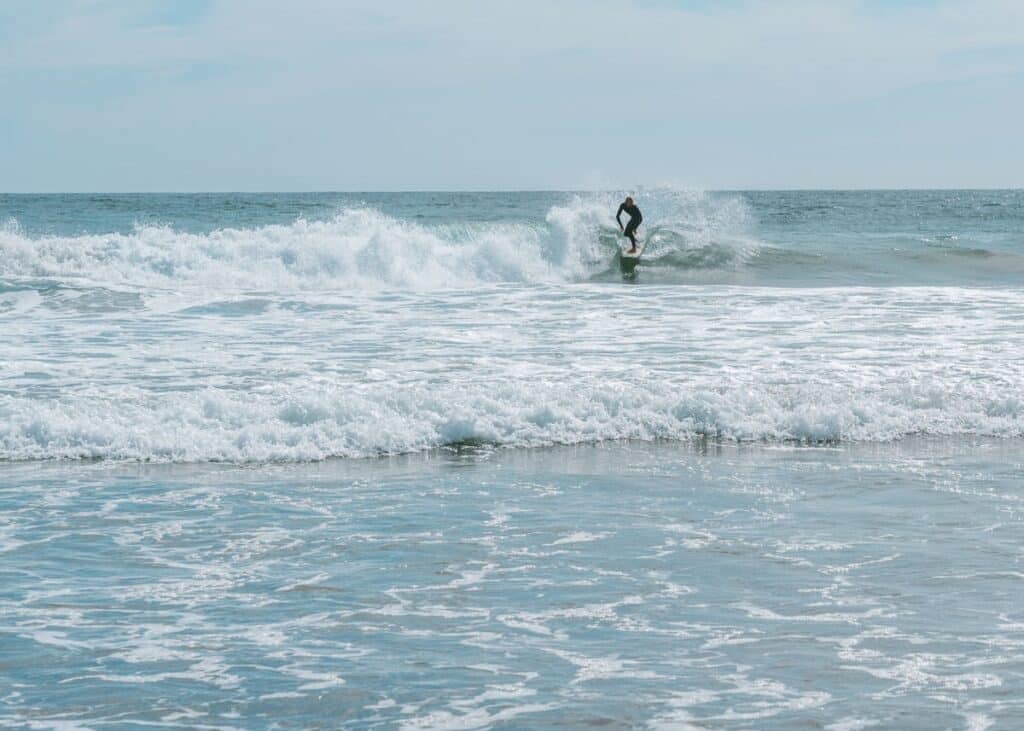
(431, 461)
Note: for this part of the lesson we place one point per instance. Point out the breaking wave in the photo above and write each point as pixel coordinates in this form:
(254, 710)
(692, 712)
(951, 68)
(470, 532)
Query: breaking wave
(363, 248)
(281, 423)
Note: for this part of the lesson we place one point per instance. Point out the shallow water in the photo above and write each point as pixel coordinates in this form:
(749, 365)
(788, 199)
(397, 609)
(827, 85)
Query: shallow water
(627, 584)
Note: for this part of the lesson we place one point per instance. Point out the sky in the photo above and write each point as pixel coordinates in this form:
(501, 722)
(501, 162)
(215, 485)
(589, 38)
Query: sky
(263, 95)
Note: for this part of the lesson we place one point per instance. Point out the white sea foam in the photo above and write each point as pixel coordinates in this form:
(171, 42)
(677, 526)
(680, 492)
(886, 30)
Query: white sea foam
(285, 423)
(357, 248)
(579, 537)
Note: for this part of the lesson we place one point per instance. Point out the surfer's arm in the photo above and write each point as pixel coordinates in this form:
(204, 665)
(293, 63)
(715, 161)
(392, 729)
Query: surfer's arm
(618, 216)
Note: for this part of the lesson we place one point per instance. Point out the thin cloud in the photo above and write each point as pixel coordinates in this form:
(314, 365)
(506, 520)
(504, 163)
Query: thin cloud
(531, 89)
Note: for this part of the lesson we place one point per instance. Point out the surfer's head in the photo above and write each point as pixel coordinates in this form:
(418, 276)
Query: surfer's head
(629, 201)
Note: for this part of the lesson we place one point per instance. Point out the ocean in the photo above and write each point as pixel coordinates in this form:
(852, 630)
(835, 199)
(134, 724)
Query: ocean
(432, 460)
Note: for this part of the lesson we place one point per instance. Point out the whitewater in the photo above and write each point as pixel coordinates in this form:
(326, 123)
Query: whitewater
(290, 328)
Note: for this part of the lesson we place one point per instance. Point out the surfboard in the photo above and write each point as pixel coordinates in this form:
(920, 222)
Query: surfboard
(629, 261)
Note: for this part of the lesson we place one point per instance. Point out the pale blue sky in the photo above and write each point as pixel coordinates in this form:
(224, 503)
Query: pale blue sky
(139, 95)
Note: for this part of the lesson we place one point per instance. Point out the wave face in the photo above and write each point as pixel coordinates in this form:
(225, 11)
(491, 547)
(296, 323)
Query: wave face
(267, 328)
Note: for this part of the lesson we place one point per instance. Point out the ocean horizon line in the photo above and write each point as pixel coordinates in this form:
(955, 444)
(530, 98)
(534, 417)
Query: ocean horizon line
(457, 191)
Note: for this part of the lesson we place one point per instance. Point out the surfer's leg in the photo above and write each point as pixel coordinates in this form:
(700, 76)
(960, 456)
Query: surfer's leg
(631, 235)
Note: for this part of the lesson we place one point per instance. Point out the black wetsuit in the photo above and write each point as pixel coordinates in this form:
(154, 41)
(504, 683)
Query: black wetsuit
(634, 220)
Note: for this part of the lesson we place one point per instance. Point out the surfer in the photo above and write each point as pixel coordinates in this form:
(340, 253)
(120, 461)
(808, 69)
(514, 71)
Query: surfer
(634, 220)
